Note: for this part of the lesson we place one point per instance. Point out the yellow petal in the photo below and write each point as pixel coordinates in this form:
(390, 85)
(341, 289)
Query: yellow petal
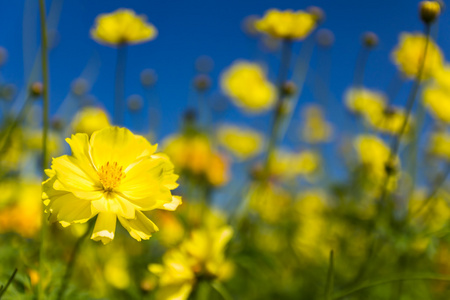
(114, 144)
(176, 201)
(140, 228)
(105, 226)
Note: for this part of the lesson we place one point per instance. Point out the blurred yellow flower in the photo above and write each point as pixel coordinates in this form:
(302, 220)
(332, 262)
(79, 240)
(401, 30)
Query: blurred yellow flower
(439, 145)
(172, 230)
(442, 77)
(243, 142)
(315, 128)
(365, 102)
(390, 120)
(33, 141)
(201, 255)
(270, 201)
(289, 165)
(113, 175)
(195, 154)
(122, 27)
(20, 207)
(374, 154)
(247, 86)
(437, 101)
(116, 270)
(439, 210)
(287, 24)
(408, 56)
(90, 119)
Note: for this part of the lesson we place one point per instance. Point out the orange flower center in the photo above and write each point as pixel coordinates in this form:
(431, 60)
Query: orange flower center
(110, 175)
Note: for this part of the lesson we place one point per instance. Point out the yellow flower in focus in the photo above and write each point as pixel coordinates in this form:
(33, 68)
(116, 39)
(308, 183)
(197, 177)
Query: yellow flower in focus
(122, 27)
(243, 142)
(437, 101)
(315, 128)
(408, 56)
(289, 165)
(365, 102)
(287, 24)
(247, 86)
(440, 145)
(194, 154)
(201, 255)
(90, 119)
(20, 208)
(114, 175)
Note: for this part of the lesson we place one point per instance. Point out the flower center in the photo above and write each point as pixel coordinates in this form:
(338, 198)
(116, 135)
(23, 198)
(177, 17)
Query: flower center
(110, 175)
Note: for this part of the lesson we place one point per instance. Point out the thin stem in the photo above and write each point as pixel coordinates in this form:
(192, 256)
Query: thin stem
(45, 120)
(3, 289)
(386, 281)
(409, 105)
(286, 53)
(330, 278)
(119, 85)
(72, 259)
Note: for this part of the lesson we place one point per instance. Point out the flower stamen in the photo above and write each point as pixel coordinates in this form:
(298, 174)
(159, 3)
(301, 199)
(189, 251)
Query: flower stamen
(110, 175)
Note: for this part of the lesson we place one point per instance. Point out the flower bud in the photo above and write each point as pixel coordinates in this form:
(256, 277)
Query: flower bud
(57, 123)
(248, 25)
(289, 88)
(148, 78)
(36, 89)
(429, 11)
(202, 82)
(325, 38)
(135, 102)
(317, 12)
(80, 87)
(369, 40)
(204, 64)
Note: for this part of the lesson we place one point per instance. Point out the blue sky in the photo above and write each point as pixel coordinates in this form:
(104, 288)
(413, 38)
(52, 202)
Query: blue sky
(188, 29)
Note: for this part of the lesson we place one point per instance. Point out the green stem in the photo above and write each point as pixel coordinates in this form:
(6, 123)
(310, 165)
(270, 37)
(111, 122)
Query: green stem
(286, 53)
(119, 85)
(3, 289)
(386, 281)
(45, 120)
(72, 260)
(409, 105)
(330, 278)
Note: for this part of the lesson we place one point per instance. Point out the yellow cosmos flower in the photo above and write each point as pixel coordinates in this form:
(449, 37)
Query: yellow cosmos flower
(242, 142)
(113, 175)
(287, 24)
(90, 119)
(247, 86)
(201, 255)
(194, 154)
(408, 55)
(365, 102)
(315, 128)
(440, 145)
(122, 27)
(437, 101)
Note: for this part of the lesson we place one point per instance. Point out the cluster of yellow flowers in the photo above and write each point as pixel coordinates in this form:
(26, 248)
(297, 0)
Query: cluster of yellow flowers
(372, 106)
(202, 255)
(195, 154)
(114, 174)
(247, 86)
